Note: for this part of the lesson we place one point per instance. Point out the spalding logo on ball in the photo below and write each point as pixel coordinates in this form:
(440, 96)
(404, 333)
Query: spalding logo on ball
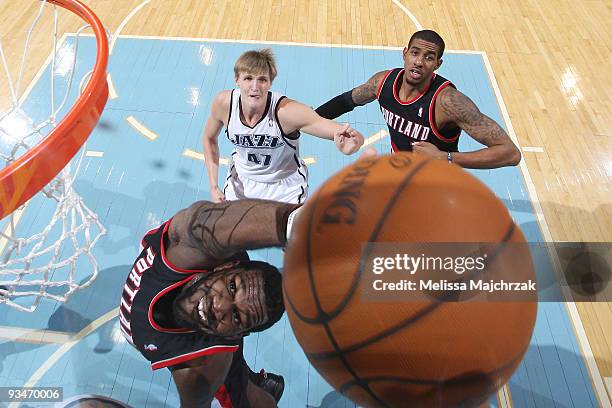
(427, 353)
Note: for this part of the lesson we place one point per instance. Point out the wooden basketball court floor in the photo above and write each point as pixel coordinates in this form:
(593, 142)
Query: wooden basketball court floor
(515, 61)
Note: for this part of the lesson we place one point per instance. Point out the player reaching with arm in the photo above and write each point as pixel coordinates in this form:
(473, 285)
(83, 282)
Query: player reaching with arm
(264, 129)
(193, 294)
(425, 113)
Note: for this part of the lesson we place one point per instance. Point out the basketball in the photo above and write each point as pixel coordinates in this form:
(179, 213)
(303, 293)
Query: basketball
(428, 352)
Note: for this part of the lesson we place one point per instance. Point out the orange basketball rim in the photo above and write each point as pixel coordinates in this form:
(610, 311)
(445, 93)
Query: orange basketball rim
(24, 177)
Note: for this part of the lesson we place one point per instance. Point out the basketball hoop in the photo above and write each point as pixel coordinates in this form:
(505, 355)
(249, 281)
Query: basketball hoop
(24, 177)
(30, 265)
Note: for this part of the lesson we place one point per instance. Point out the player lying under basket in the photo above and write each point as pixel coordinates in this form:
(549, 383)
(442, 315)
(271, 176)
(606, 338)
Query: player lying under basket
(192, 295)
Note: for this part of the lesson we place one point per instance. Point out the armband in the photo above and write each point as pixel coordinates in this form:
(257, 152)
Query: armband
(337, 106)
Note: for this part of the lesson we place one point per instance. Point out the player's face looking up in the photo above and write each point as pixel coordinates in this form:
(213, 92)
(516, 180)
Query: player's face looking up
(254, 87)
(225, 303)
(421, 59)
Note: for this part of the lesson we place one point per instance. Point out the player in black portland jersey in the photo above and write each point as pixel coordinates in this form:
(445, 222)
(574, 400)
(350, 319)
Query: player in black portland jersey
(425, 113)
(409, 121)
(193, 294)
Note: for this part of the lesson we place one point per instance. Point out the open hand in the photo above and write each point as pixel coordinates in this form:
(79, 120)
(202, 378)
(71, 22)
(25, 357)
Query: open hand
(348, 140)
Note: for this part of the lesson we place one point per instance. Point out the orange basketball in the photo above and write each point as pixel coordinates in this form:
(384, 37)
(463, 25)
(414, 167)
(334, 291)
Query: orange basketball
(431, 352)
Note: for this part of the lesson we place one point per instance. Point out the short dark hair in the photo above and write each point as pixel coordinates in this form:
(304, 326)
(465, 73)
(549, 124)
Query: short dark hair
(429, 36)
(273, 289)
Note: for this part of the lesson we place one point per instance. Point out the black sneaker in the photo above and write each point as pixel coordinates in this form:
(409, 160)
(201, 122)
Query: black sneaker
(273, 384)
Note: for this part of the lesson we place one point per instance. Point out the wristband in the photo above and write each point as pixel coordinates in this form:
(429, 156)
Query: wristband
(290, 220)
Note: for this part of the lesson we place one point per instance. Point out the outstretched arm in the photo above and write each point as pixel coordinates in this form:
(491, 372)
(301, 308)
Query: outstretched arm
(294, 116)
(347, 101)
(205, 233)
(453, 106)
(210, 140)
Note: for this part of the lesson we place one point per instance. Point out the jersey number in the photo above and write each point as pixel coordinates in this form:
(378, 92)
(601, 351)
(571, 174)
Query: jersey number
(260, 158)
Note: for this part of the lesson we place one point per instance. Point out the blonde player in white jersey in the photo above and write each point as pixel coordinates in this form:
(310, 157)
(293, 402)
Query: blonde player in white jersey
(264, 128)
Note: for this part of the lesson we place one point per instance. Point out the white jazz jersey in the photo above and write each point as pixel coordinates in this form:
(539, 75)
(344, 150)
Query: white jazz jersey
(262, 153)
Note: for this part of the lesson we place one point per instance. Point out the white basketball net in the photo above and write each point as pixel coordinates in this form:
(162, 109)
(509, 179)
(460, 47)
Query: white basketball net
(57, 261)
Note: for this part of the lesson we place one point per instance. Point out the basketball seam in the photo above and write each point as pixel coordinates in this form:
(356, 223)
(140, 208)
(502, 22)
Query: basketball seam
(338, 310)
(423, 313)
(359, 382)
(376, 230)
(286, 293)
(324, 318)
(321, 314)
(433, 382)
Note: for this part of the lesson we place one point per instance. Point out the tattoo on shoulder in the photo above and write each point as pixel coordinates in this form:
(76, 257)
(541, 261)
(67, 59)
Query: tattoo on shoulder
(367, 92)
(459, 107)
(461, 110)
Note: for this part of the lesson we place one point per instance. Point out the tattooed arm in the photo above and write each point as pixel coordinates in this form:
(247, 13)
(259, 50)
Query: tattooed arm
(205, 234)
(366, 93)
(454, 107)
(347, 101)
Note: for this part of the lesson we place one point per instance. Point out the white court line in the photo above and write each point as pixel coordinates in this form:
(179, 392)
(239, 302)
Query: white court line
(17, 214)
(608, 381)
(33, 336)
(64, 348)
(192, 154)
(142, 129)
(503, 397)
(124, 23)
(56, 336)
(112, 92)
(409, 14)
(42, 69)
(533, 149)
(375, 137)
(308, 160)
(502, 393)
(261, 42)
(93, 153)
(579, 331)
